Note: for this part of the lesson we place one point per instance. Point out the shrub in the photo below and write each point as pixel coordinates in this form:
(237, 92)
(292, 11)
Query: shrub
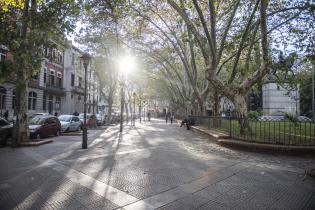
(291, 117)
(255, 115)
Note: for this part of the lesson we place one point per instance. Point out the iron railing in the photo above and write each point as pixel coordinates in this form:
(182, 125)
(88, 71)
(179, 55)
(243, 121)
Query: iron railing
(282, 132)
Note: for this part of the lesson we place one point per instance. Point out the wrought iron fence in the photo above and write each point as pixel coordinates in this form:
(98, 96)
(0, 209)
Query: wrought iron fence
(263, 131)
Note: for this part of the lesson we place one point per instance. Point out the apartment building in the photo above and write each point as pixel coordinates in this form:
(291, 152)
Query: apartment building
(58, 88)
(74, 83)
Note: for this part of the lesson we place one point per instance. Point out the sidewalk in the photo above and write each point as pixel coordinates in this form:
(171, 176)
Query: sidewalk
(150, 166)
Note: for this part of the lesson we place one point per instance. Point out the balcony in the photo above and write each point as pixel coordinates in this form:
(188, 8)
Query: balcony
(78, 90)
(54, 89)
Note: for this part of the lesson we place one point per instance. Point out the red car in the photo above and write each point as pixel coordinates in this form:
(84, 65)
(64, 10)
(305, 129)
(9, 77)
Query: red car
(42, 126)
(91, 120)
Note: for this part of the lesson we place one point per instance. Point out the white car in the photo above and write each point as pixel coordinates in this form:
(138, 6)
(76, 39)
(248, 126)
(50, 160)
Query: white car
(100, 119)
(69, 123)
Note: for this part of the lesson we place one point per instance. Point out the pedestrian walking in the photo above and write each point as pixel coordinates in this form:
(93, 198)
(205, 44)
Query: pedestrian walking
(149, 116)
(167, 116)
(172, 118)
(6, 115)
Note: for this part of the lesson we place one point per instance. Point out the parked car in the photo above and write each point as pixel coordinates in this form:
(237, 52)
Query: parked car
(42, 126)
(271, 118)
(100, 119)
(69, 123)
(90, 119)
(5, 131)
(304, 119)
(38, 114)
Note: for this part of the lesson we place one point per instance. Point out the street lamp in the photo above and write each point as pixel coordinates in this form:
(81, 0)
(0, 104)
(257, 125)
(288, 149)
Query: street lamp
(86, 60)
(134, 109)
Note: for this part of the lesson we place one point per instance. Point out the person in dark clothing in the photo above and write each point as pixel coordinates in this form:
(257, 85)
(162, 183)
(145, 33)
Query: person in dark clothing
(56, 114)
(188, 122)
(149, 116)
(6, 115)
(76, 113)
(172, 119)
(184, 121)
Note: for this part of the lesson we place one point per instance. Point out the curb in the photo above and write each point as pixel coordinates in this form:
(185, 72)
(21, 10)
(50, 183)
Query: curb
(71, 134)
(266, 147)
(214, 134)
(224, 140)
(35, 143)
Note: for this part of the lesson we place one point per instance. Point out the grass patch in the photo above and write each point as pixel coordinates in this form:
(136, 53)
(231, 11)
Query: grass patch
(276, 132)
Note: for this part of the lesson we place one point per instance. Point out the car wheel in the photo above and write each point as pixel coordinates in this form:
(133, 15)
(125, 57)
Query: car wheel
(79, 128)
(67, 130)
(38, 136)
(57, 133)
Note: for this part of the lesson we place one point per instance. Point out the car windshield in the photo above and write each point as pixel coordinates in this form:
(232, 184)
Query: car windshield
(64, 118)
(37, 121)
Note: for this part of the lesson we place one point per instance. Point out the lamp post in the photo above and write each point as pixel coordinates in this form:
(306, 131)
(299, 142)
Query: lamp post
(86, 60)
(140, 110)
(144, 110)
(122, 103)
(134, 109)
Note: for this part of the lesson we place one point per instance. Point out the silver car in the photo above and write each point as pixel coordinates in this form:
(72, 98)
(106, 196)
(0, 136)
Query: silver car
(69, 123)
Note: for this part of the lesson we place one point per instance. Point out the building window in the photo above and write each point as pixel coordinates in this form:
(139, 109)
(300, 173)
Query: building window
(59, 79)
(13, 99)
(32, 97)
(52, 77)
(50, 104)
(44, 102)
(2, 54)
(80, 81)
(58, 103)
(3, 93)
(72, 79)
(45, 75)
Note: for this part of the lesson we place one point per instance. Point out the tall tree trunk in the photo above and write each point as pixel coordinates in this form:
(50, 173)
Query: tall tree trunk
(241, 108)
(216, 104)
(127, 112)
(110, 106)
(21, 125)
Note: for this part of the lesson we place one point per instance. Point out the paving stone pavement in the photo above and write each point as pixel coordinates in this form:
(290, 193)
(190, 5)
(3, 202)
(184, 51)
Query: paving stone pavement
(151, 166)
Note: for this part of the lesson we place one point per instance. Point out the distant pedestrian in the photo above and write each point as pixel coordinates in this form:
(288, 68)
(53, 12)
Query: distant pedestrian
(56, 114)
(149, 116)
(6, 115)
(172, 118)
(167, 116)
(75, 113)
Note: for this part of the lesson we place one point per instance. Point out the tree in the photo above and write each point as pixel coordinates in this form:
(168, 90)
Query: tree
(25, 27)
(234, 28)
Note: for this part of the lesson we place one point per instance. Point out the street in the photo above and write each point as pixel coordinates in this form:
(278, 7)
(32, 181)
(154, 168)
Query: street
(151, 166)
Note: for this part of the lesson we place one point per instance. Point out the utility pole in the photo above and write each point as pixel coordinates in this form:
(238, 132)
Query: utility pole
(313, 93)
(134, 109)
(140, 110)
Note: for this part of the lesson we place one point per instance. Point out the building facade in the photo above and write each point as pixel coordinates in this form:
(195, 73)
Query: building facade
(278, 100)
(58, 88)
